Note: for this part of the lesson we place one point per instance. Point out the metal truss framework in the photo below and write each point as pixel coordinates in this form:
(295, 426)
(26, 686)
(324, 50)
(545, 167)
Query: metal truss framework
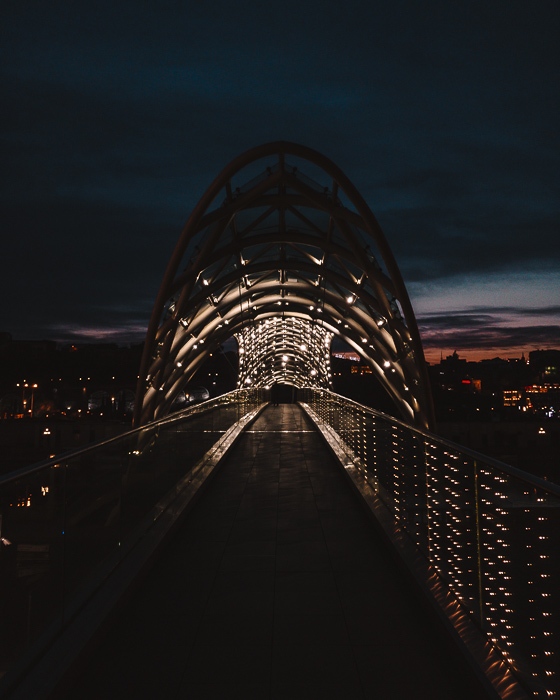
(308, 258)
(281, 350)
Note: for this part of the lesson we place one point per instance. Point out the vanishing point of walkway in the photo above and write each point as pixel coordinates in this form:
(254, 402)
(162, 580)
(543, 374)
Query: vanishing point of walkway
(276, 585)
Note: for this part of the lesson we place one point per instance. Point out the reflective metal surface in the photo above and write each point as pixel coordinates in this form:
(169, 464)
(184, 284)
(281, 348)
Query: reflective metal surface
(67, 523)
(489, 533)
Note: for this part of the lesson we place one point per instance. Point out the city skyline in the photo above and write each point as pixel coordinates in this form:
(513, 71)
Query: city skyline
(115, 120)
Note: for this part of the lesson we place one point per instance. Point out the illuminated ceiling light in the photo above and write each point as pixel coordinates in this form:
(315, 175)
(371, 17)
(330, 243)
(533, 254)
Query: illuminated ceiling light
(205, 282)
(298, 336)
(381, 322)
(313, 372)
(179, 364)
(386, 363)
(350, 299)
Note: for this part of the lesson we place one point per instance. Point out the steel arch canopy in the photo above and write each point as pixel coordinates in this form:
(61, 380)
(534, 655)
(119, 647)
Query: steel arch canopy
(283, 263)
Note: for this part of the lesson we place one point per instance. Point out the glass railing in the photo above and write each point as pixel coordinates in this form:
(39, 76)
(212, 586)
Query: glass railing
(490, 531)
(67, 522)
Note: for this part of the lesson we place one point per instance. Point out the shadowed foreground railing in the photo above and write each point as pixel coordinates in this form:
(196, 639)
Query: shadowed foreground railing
(68, 522)
(488, 532)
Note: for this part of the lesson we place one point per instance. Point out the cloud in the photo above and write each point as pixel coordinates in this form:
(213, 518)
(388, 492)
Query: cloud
(484, 338)
(79, 265)
(489, 330)
(126, 334)
(116, 117)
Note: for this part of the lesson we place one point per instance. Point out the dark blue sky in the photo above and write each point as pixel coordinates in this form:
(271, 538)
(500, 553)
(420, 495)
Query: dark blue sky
(115, 117)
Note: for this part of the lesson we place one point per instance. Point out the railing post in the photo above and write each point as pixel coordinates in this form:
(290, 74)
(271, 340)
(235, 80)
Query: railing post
(478, 546)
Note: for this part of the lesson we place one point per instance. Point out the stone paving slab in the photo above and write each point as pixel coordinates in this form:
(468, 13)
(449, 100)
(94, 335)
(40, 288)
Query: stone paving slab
(276, 585)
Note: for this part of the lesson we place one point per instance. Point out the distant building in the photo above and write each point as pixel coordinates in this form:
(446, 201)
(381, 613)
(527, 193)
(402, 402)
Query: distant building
(361, 369)
(545, 362)
(353, 356)
(512, 398)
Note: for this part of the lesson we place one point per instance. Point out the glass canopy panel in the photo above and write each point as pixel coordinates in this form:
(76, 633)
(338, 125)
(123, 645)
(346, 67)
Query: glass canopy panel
(262, 253)
(259, 177)
(308, 218)
(308, 181)
(248, 220)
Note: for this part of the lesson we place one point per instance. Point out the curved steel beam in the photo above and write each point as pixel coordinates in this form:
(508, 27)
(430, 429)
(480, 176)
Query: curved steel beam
(282, 247)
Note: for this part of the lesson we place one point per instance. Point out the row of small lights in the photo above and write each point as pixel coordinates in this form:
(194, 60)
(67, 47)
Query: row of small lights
(453, 543)
(278, 333)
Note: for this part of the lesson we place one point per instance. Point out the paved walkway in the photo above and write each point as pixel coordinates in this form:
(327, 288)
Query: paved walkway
(276, 586)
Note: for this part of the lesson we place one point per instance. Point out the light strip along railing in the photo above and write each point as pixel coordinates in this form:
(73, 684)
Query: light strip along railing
(67, 522)
(490, 531)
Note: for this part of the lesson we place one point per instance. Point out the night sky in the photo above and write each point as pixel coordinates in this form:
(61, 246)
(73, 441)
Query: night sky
(115, 118)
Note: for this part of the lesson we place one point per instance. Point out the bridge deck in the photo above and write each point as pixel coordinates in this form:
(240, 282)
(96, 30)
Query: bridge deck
(276, 585)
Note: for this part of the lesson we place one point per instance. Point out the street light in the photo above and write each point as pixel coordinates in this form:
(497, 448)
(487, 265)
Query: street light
(23, 385)
(33, 387)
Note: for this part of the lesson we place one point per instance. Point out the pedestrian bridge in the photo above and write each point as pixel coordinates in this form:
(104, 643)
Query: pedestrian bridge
(243, 549)
(249, 548)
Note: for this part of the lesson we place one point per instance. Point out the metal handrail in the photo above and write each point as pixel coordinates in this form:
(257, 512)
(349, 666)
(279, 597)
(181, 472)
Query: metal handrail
(85, 521)
(70, 454)
(539, 482)
(549, 486)
(481, 535)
